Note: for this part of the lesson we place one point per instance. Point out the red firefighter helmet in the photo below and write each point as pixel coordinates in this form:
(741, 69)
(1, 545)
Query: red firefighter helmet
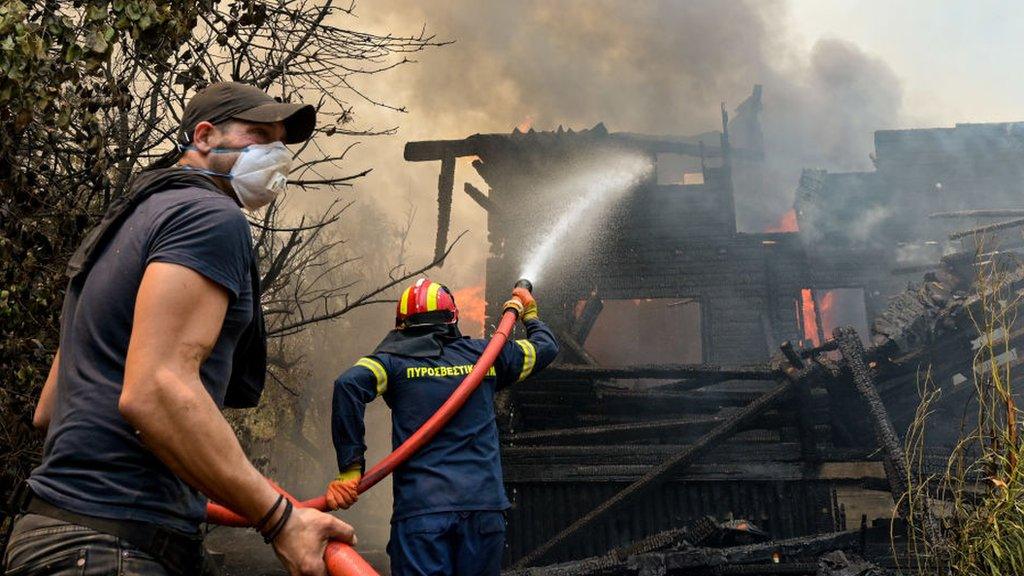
(425, 303)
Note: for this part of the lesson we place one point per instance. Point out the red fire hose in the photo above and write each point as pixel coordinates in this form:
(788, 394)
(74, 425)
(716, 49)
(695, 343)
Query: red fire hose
(342, 559)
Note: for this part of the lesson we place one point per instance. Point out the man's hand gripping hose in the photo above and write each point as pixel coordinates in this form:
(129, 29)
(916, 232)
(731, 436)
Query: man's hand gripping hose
(342, 559)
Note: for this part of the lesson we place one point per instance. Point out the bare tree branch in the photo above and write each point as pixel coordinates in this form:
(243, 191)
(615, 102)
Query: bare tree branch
(368, 297)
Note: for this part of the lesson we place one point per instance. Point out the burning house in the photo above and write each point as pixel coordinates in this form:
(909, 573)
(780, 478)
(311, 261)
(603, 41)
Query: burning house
(666, 406)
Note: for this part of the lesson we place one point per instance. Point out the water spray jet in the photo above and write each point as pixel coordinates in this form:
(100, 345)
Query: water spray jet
(597, 191)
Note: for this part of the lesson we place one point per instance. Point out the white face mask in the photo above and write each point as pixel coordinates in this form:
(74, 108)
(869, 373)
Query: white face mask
(259, 174)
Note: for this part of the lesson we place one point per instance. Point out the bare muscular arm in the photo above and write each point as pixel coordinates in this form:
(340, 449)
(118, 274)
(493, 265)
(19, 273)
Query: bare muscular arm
(178, 317)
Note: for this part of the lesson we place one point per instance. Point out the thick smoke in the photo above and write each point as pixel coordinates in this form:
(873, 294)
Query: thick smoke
(659, 67)
(845, 96)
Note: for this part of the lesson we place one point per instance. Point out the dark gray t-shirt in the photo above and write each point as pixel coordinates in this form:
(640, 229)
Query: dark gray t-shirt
(93, 461)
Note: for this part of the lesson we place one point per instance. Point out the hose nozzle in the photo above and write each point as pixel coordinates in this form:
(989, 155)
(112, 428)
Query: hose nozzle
(524, 283)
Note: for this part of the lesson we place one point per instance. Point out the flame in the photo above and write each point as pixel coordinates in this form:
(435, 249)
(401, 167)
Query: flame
(525, 125)
(472, 309)
(786, 224)
(826, 309)
(810, 321)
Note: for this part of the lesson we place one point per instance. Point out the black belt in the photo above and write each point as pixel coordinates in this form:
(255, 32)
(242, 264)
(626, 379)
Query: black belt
(179, 553)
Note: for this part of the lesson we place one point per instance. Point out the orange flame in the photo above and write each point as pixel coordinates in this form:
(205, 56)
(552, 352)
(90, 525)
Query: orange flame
(472, 309)
(825, 311)
(826, 305)
(810, 320)
(787, 223)
(525, 125)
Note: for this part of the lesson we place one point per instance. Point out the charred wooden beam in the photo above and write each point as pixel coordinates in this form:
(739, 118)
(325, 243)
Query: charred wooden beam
(445, 190)
(562, 474)
(658, 474)
(617, 431)
(588, 316)
(819, 323)
(764, 569)
(479, 197)
(649, 454)
(809, 438)
(429, 150)
(606, 565)
(793, 470)
(654, 371)
(988, 228)
(616, 401)
(1010, 213)
(885, 434)
(756, 559)
(590, 416)
(575, 349)
(432, 150)
(615, 561)
(714, 560)
(791, 355)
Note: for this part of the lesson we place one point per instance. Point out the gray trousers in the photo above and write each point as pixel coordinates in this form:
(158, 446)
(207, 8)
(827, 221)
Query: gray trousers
(42, 546)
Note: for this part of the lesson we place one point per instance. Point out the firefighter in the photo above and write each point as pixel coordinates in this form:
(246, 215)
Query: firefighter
(449, 500)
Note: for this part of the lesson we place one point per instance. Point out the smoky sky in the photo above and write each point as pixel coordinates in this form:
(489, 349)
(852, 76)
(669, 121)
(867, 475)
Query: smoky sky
(658, 67)
(646, 67)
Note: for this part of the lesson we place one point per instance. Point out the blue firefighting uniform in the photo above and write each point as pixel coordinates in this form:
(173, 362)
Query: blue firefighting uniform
(449, 497)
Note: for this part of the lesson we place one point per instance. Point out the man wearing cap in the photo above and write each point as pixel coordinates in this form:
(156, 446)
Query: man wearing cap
(161, 327)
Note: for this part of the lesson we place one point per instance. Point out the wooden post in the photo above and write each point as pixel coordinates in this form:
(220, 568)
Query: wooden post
(445, 189)
(479, 197)
(819, 321)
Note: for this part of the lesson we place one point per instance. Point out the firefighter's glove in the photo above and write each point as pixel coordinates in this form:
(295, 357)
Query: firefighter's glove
(529, 304)
(342, 492)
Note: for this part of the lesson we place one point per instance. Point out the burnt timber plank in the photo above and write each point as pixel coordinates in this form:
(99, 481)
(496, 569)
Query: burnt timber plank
(658, 474)
(664, 371)
(445, 190)
(895, 465)
(618, 431)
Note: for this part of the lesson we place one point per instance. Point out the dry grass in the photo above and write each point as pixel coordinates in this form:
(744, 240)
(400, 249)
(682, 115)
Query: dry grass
(982, 486)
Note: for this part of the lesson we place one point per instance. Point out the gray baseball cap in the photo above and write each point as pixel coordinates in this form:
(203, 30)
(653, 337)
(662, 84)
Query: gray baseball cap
(224, 101)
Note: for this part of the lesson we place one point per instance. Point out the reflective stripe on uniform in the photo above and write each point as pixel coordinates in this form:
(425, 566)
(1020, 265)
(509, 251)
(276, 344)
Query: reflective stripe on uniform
(529, 358)
(379, 373)
(432, 296)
